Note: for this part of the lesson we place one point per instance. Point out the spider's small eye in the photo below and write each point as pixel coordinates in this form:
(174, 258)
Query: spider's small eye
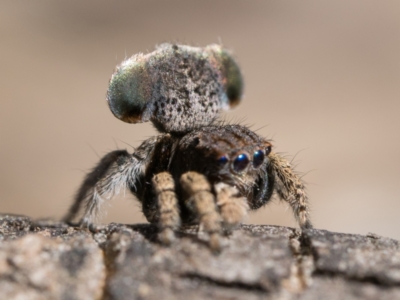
(195, 141)
(258, 158)
(268, 150)
(240, 163)
(223, 160)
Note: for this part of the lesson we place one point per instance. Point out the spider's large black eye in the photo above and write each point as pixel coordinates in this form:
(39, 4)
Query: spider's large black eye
(240, 163)
(222, 160)
(258, 158)
(195, 141)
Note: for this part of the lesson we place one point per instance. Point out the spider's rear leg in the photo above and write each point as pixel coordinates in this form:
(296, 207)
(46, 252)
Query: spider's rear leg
(169, 219)
(233, 207)
(115, 171)
(202, 202)
(291, 189)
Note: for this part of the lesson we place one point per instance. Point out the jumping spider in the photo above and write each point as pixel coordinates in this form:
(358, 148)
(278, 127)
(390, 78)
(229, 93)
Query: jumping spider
(197, 170)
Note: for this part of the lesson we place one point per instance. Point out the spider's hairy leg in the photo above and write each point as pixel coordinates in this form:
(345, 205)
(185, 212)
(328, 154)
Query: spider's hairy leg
(169, 220)
(115, 171)
(202, 202)
(232, 206)
(291, 189)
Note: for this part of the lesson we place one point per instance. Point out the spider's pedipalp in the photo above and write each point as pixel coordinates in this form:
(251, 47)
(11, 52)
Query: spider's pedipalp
(232, 206)
(169, 219)
(200, 200)
(291, 189)
(116, 171)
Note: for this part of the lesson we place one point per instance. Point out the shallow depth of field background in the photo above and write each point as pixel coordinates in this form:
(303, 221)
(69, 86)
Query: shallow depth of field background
(322, 80)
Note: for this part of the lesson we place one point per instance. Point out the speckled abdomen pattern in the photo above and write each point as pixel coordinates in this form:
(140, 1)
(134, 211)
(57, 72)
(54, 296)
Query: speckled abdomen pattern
(179, 88)
(187, 91)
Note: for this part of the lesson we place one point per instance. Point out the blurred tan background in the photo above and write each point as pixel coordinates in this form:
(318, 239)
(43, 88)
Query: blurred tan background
(322, 80)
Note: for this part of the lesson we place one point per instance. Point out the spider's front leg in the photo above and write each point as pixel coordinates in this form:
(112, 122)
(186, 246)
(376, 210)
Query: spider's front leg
(167, 205)
(201, 201)
(290, 188)
(226, 210)
(116, 171)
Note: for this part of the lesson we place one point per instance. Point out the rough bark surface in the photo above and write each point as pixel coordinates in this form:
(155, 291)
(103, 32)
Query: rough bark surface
(51, 260)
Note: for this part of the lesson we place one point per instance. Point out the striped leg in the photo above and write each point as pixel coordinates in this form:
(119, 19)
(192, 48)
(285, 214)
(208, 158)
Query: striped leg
(202, 202)
(169, 221)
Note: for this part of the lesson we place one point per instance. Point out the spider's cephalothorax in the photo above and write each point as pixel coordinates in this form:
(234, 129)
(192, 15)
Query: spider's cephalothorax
(197, 170)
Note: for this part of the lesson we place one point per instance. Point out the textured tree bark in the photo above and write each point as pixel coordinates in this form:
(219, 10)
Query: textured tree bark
(51, 260)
